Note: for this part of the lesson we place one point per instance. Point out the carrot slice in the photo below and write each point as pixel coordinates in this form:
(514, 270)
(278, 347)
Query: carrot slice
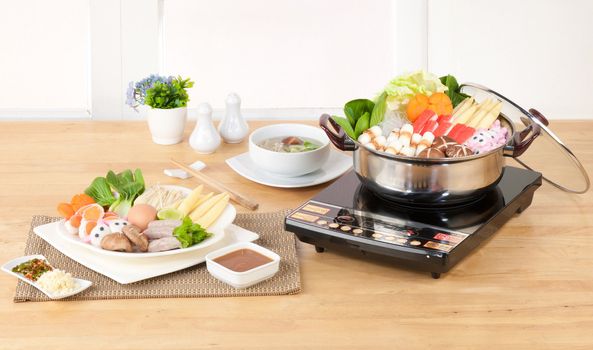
(440, 103)
(110, 216)
(90, 225)
(80, 200)
(94, 212)
(75, 220)
(416, 106)
(65, 210)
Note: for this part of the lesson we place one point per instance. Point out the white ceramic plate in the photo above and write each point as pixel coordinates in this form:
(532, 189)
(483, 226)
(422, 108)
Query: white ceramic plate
(82, 284)
(217, 229)
(124, 270)
(337, 164)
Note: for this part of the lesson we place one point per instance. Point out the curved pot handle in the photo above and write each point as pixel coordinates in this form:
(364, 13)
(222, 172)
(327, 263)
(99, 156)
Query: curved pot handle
(337, 137)
(523, 139)
(539, 116)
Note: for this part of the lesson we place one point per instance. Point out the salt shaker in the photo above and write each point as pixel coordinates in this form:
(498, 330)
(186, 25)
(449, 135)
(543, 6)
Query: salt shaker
(233, 127)
(204, 138)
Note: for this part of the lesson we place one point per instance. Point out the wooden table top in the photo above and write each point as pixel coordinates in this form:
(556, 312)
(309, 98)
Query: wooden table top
(531, 286)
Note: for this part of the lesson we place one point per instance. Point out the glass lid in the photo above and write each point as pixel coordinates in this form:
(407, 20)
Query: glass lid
(546, 153)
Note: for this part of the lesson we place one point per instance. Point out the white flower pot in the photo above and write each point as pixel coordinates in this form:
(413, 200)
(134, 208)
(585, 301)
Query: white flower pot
(167, 125)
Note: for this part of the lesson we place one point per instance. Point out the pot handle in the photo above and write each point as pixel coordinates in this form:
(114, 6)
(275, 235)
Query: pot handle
(534, 112)
(337, 137)
(524, 138)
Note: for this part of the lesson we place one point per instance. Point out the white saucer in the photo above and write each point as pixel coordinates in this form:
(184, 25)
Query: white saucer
(336, 165)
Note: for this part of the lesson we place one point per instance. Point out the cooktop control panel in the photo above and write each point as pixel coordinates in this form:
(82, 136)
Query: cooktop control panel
(350, 222)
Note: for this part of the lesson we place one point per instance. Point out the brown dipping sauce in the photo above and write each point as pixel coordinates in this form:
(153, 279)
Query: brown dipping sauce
(242, 260)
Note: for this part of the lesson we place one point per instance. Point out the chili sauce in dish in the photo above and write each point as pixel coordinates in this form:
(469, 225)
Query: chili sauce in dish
(32, 269)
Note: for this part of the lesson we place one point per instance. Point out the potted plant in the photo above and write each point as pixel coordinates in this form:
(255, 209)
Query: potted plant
(167, 98)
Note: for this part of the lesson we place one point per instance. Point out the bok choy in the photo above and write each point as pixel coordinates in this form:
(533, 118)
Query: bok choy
(126, 185)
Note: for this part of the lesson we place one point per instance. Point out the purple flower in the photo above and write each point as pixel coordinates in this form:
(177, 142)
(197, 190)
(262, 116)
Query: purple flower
(130, 94)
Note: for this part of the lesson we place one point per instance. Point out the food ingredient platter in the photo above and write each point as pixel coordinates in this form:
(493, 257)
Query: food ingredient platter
(124, 270)
(225, 219)
(127, 232)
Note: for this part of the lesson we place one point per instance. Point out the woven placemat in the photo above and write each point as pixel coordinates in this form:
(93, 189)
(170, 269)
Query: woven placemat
(191, 282)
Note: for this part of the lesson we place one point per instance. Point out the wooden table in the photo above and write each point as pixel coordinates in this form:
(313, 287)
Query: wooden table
(531, 286)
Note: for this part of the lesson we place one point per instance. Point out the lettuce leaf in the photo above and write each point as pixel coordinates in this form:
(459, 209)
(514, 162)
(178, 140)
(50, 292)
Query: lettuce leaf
(190, 233)
(402, 88)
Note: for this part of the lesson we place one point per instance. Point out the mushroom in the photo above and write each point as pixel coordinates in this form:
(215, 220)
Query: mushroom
(292, 140)
(135, 235)
(116, 242)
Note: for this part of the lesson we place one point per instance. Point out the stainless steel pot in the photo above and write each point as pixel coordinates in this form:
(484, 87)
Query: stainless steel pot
(419, 181)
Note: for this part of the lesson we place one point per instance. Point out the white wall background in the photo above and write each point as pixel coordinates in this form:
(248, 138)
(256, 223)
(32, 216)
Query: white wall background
(281, 54)
(288, 58)
(44, 56)
(539, 53)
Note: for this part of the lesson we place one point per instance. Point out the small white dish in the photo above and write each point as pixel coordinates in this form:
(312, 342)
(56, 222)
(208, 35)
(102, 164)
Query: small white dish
(336, 165)
(246, 278)
(82, 284)
(289, 164)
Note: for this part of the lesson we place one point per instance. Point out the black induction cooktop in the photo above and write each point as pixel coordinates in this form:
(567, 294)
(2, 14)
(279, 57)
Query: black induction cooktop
(348, 216)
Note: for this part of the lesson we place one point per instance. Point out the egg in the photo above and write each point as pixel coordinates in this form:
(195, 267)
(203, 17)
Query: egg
(141, 215)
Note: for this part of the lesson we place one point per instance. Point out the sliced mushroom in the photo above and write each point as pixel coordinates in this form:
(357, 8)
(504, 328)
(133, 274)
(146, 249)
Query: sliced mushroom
(135, 235)
(292, 140)
(116, 242)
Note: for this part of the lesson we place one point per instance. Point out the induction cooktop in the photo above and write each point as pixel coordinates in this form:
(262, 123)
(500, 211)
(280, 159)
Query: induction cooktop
(347, 216)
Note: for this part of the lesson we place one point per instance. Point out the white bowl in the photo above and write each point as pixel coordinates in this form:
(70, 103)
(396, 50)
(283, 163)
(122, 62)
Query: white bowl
(289, 164)
(246, 278)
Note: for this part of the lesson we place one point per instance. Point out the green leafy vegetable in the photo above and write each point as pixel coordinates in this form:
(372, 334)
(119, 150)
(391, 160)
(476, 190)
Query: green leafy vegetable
(345, 124)
(362, 114)
(310, 146)
(357, 108)
(100, 191)
(362, 124)
(190, 233)
(129, 186)
(453, 90)
(379, 110)
(167, 95)
(401, 89)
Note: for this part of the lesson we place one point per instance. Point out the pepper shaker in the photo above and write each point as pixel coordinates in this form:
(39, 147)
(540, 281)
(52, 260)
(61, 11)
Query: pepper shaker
(233, 127)
(204, 138)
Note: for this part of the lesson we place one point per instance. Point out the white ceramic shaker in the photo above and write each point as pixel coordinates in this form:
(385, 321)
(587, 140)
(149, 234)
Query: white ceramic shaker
(233, 127)
(204, 138)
